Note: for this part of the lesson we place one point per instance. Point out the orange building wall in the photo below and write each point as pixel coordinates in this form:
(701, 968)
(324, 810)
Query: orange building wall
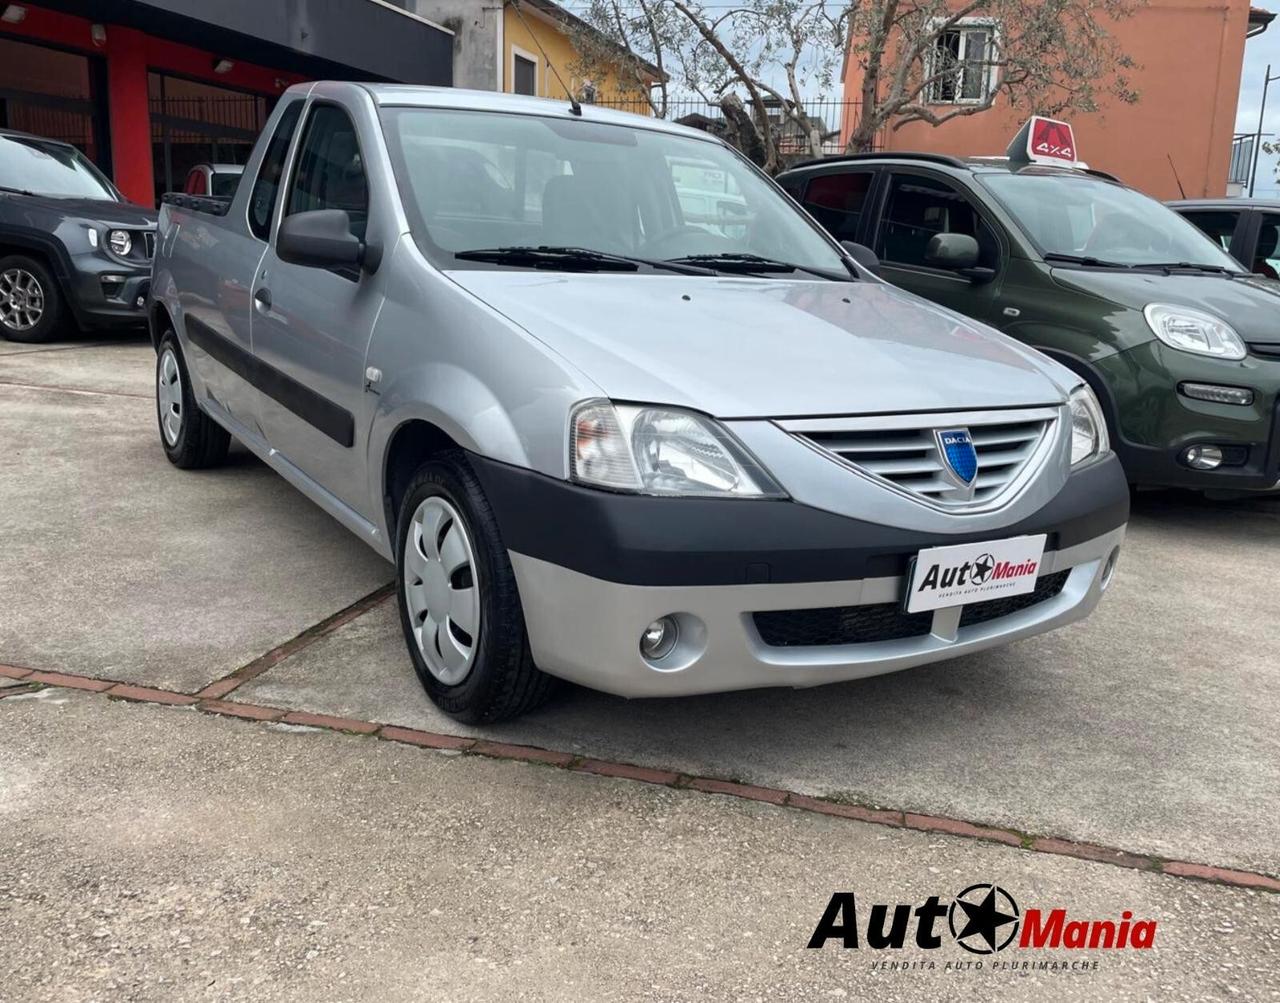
(1189, 57)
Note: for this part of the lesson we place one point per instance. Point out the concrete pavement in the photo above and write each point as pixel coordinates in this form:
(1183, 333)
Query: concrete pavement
(160, 854)
(1148, 728)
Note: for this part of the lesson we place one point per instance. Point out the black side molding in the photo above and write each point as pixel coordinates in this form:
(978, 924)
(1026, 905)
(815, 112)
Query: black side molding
(336, 422)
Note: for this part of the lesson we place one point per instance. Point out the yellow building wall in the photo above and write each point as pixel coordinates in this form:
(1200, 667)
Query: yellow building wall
(518, 34)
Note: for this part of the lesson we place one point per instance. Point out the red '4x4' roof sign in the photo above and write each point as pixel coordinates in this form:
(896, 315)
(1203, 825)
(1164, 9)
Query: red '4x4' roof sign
(1045, 141)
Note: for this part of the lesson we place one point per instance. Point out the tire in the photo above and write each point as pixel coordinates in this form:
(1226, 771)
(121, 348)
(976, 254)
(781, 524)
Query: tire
(493, 677)
(191, 439)
(31, 305)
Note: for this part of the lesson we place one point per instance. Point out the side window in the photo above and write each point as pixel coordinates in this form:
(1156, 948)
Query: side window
(1266, 259)
(920, 207)
(836, 201)
(330, 172)
(1219, 224)
(262, 202)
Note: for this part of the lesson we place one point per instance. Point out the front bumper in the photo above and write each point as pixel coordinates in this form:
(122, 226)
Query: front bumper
(594, 569)
(105, 293)
(1156, 423)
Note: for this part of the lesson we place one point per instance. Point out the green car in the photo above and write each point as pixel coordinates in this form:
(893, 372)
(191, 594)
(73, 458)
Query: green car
(1179, 342)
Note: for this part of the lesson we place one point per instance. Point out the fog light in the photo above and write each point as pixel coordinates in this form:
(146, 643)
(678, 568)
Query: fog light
(1217, 395)
(659, 638)
(1109, 569)
(1202, 457)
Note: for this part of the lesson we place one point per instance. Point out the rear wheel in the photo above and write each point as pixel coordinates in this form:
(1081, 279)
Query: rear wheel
(191, 439)
(459, 606)
(30, 300)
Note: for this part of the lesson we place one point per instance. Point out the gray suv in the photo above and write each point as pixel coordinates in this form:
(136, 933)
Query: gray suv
(603, 441)
(71, 247)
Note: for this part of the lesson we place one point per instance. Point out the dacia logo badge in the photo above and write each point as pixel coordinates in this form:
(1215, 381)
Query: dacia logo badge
(956, 447)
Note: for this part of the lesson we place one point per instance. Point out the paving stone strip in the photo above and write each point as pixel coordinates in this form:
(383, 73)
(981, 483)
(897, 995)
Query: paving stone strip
(206, 702)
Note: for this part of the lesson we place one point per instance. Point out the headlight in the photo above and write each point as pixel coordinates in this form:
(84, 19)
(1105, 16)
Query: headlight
(661, 451)
(120, 242)
(1088, 427)
(1192, 331)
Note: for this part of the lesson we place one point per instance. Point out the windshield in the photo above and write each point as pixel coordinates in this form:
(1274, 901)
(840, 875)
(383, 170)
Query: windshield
(482, 180)
(45, 168)
(1086, 217)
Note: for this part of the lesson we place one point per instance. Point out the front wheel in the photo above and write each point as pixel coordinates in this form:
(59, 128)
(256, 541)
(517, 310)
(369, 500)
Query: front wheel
(459, 606)
(30, 301)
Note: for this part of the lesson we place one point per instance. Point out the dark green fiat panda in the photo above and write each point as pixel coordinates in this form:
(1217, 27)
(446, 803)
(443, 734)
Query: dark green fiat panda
(1179, 342)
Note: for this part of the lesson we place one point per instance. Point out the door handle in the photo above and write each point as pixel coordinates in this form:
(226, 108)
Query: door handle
(262, 299)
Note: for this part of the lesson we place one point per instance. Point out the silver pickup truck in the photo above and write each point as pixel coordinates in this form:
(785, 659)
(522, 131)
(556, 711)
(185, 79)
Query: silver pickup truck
(603, 442)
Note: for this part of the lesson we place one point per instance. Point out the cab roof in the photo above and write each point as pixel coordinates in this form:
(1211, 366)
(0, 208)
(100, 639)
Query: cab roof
(974, 165)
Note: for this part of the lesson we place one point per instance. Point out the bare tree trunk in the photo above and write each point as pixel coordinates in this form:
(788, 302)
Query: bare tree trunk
(743, 132)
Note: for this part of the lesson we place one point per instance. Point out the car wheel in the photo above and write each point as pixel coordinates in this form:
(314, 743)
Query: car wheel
(30, 300)
(191, 439)
(459, 606)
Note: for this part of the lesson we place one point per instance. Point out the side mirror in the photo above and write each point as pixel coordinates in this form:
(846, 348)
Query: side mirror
(321, 238)
(863, 255)
(952, 251)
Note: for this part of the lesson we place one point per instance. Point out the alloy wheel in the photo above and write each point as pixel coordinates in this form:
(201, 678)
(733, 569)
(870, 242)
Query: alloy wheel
(169, 396)
(442, 589)
(21, 299)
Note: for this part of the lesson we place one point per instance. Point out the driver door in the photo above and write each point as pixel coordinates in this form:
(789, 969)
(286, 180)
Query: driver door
(311, 326)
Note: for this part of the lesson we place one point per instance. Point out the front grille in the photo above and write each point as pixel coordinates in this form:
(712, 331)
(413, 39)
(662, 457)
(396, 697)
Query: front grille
(800, 628)
(904, 451)
(149, 243)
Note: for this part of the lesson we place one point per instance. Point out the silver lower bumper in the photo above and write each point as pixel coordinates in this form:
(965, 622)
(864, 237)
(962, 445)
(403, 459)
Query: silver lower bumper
(587, 630)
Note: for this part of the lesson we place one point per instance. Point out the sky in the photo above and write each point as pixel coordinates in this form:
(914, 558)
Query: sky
(1258, 52)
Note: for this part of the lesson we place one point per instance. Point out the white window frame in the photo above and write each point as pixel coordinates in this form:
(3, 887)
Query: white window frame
(537, 69)
(965, 27)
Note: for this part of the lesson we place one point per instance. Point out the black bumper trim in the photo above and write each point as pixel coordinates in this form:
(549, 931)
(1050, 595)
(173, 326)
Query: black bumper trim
(639, 540)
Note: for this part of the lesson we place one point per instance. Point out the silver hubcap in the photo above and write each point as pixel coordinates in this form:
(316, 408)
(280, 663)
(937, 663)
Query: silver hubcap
(442, 590)
(169, 396)
(21, 299)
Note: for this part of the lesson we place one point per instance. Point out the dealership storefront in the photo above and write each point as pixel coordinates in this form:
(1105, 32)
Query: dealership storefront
(149, 89)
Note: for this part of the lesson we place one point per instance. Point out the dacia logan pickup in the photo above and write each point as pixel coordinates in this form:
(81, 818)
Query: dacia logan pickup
(602, 442)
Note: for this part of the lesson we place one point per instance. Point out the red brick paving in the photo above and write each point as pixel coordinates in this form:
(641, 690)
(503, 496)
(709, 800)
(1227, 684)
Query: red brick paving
(330, 722)
(426, 739)
(876, 816)
(70, 682)
(528, 753)
(145, 694)
(954, 827)
(1224, 875)
(1087, 851)
(246, 710)
(749, 791)
(627, 771)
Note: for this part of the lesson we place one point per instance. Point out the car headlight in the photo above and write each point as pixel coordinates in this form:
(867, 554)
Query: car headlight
(1193, 331)
(1088, 427)
(661, 451)
(120, 242)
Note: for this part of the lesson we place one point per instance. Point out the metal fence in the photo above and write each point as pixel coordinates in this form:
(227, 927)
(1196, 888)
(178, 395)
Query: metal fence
(833, 119)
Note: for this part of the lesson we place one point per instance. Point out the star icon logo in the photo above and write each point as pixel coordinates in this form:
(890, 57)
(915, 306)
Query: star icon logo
(983, 919)
(982, 569)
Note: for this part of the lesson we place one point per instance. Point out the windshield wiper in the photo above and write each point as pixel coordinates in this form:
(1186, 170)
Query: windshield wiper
(1084, 259)
(1189, 266)
(15, 191)
(754, 264)
(574, 259)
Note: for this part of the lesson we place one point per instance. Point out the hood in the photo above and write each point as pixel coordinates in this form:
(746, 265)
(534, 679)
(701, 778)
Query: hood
(1250, 304)
(105, 211)
(755, 348)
